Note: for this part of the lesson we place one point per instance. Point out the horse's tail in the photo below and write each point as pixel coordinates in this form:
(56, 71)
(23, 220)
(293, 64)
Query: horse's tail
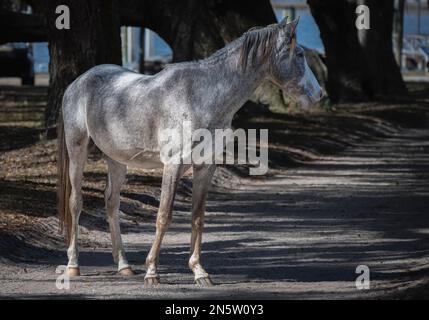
(64, 185)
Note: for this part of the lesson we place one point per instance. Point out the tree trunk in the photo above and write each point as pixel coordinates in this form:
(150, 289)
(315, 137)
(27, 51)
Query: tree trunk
(384, 76)
(93, 38)
(361, 64)
(399, 29)
(142, 50)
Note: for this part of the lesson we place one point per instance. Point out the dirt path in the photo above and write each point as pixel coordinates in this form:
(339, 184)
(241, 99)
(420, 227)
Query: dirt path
(298, 235)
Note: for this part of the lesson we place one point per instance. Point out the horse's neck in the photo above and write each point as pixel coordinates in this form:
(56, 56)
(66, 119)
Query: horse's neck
(238, 85)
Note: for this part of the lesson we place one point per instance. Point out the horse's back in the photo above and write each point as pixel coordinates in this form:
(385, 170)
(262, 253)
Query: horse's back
(100, 80)
(90, 91)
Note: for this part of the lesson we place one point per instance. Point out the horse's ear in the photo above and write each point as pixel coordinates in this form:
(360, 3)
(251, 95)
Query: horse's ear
(283, 23)
(293, 25)
(289, 28)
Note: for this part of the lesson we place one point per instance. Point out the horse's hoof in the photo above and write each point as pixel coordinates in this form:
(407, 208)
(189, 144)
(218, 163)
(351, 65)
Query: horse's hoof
(151, 281)
(127, 272)
(73, 272)
(204, 282)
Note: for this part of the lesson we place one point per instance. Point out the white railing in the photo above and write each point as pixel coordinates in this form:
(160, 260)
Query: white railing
(415, 53)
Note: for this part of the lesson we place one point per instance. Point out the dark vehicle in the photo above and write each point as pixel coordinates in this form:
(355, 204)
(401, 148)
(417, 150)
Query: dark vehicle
(16, 60)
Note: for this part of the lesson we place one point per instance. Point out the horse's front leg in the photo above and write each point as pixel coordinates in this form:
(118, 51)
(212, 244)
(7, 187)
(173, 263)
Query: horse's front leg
(170, 178)
(201, 183)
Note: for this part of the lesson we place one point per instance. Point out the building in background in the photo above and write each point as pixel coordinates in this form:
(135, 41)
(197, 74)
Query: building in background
(415, 43)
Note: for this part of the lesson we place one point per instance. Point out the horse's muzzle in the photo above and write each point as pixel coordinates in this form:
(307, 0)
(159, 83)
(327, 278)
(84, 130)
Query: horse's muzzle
(317, 96)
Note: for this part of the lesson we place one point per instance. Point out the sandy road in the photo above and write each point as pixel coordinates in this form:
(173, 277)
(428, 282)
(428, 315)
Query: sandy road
(298, 235)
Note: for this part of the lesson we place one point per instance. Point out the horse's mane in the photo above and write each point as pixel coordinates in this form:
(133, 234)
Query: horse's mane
(256, 40)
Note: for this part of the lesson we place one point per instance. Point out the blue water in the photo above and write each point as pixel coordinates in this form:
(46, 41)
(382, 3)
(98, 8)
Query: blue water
(307, 33)
(161, 47)
(411, 23)
(41, 57)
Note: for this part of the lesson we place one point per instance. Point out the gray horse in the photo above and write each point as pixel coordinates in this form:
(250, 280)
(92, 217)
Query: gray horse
(123, 113)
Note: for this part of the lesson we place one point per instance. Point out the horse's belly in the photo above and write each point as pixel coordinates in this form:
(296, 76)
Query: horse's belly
(138, 159)
(132, 157)
(144, 160)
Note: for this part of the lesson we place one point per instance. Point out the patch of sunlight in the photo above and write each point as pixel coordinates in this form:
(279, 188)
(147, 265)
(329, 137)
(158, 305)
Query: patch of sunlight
(420, 231)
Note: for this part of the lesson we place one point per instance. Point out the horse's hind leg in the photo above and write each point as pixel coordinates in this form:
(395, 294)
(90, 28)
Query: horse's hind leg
(116, 178)
(201, 183)
(78, 152)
